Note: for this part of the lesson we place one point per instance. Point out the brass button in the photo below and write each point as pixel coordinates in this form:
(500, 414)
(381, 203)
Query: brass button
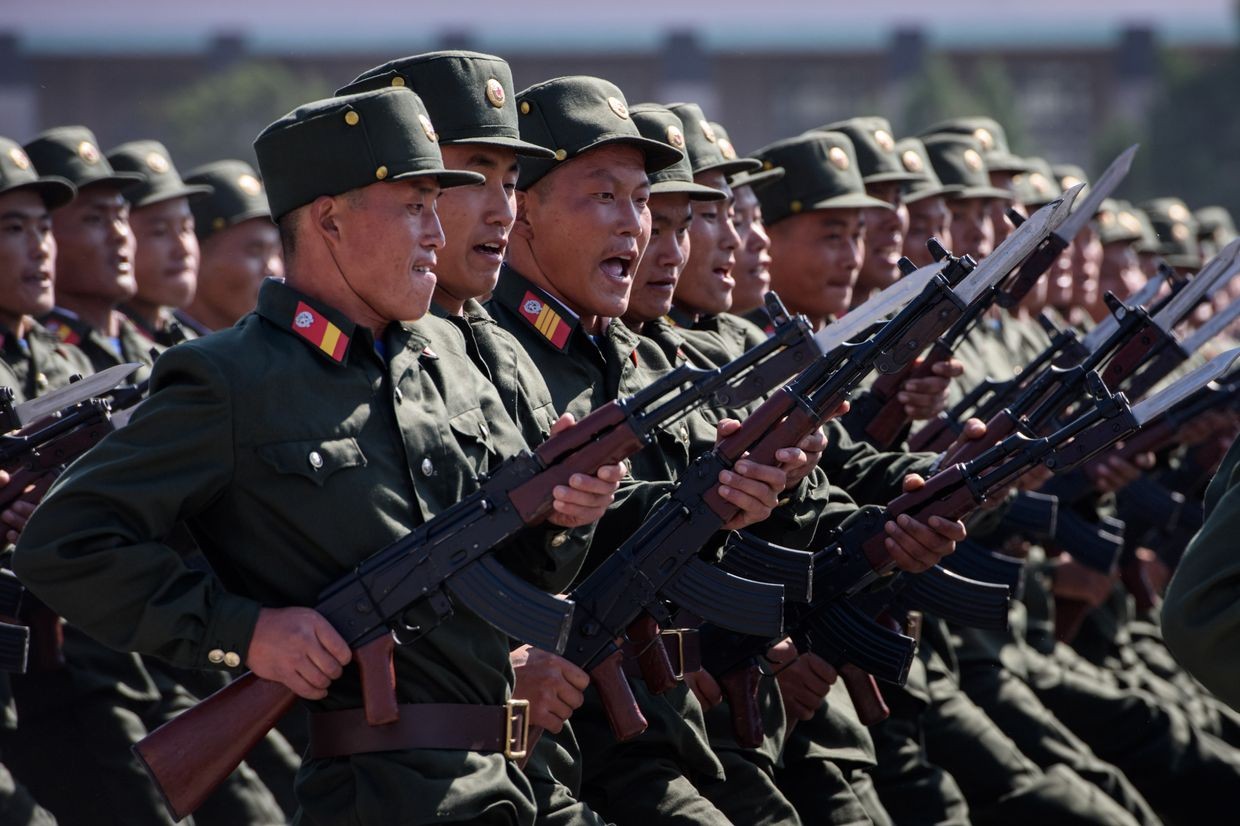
(427, 467)
(398, 81)
(316, 459)
(381, 172)
(559, 539)
(351, 118)
(232, 659)
(795, 206)
(560, 154)
(525, 107)
(215, 655)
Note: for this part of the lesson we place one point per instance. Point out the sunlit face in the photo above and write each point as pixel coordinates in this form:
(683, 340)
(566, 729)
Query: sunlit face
(927, 218)
(235, 261)
(27, 257)
(814, 260)
(1086, 261)
(95, 245)
(166, 258)
(1118, 271)
(752, 272)
(706, 283)
(884, 238)
(971, 228)
(665, 257)
(476, 219)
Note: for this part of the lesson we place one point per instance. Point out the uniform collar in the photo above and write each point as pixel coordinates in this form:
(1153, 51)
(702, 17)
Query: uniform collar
(545, 314)
(67, 326)
(762, 318)
(325, 330)
(679, 318)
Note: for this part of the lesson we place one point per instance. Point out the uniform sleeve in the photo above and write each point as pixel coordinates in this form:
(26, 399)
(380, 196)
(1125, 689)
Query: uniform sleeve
(94, 550)
(871, 476)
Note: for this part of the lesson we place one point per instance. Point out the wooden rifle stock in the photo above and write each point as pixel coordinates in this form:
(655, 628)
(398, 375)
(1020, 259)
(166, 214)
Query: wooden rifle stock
(884, 428)
(866, 698)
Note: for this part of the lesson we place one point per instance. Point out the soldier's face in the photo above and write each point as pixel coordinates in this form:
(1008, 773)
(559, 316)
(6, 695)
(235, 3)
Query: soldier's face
(235, 261)
(166, 258)
(1118, 272)
(27, 257)
(388, 236)
(665, 257)
(814, 260)
(884, 237)
(1059, 280)
(476, 220)
(971, 228)
(1086, 257)
(706, 284)
(587, 224)
(927, 218)
(95, 245)
(752, 272)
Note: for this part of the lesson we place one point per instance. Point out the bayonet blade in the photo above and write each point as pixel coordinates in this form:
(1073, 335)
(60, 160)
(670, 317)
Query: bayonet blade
(1217, 324)
(1184, 387)
(1098, 191)
(1217, 272)
(1106, 328)
(879, 306)
(1018, 246)
(74, 392)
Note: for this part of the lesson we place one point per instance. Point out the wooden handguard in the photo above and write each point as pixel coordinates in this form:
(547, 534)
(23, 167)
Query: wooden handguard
(740, 689)
(623, 714)
(533, 499)
(1000, 426)
(885, 427)
(378, 672)
(191, 755)
(866, 698)
(657, 670)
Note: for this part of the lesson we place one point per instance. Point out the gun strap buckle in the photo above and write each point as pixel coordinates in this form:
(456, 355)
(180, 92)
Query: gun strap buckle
(686, 655)
(516, 728)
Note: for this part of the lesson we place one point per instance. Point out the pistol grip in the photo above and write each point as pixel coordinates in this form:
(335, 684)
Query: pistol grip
(866, 698)
(652, 657)
(47, 635)
(623, 714)
(740, 688)
(374, 662)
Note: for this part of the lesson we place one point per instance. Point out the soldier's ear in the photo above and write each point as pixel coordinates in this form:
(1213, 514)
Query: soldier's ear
(325, 215)
(522, 226)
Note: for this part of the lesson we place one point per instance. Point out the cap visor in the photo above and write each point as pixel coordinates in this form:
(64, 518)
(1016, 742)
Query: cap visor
(55, 191)
(850, 201)
(529, 150)
(192, 191)
(983, 192)
(658, 154)
(757, 180)
(930, 192)
(734, 167)
(125, 180)
(448, 178)
(892, 178)
(696, 192)
(1006, 163)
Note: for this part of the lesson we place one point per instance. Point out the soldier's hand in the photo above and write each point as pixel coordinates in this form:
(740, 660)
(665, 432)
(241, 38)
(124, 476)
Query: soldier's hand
(586, 497)
(1072, 580)
(299, 648)
(553, 685)
(1110, 473)
(705, 688)
(807, 453)
(804, 680)
(918, 546)
(926, 397)
(15, 516)
(1153, 570)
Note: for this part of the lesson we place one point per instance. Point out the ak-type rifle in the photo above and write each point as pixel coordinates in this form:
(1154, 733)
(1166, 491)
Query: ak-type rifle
(449, 560)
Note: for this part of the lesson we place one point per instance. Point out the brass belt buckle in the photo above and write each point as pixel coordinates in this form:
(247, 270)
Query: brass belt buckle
(516, 728)
(678, 667)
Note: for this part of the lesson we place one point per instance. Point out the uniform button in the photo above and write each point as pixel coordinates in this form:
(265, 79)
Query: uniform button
(485, 430)
(399, 396)
(559, 539)
(40, 381)
(232, 659)
(216, 656)
(427, 467)
(684, 432)
(316, 459)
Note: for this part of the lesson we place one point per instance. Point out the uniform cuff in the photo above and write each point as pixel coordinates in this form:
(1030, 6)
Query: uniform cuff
(226, 643)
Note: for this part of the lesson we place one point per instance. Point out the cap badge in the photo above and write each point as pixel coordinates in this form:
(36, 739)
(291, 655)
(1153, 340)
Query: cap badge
(884, 140)
(838, 158)
(911, 161)
(1130, 222)
(728, 150)
(973, 160)
(708, 131)
(88, 152)
(249, 184)
(19, 158)
(985, 138)
(398, 80)
(618, 106)
(675, 137)
(157, 163)
(495, 93)
(428, 127)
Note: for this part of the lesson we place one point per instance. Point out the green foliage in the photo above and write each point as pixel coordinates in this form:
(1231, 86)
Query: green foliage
(220, 115)
(940, 93)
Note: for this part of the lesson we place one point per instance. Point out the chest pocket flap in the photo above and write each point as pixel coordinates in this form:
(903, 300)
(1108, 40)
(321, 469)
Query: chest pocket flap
(472, 425)
(315, 459)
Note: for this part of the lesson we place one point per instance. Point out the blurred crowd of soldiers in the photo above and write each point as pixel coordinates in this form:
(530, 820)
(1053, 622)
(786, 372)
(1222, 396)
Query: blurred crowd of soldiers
(1076, 712)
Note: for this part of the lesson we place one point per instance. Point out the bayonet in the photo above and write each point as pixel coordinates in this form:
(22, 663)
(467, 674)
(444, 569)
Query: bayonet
(73, 393)
(1098, 192)
(1213, 275)
(1141, 298)
(1185, 386)
(1217, 324)
(877, 307)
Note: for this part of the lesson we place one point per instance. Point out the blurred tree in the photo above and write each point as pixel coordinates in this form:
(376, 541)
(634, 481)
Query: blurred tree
(940, 93)
(219, 116)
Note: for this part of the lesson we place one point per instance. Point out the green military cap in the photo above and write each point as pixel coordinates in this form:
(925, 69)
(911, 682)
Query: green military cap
(923, 180)
(18, 172)
(237, 195)
(760, 176)
(1069, 175)
(574, 114)
(661, 124)
(876, 149)
(162, 182)
(702, 144)
(332, 146)
(1176, 230)
(1215, 226)
(820, 172)
(72, 153)
(957, 159)
(989, 133)
(1149, 238)
(1038, 185)
(1118, 222)
(469, 95)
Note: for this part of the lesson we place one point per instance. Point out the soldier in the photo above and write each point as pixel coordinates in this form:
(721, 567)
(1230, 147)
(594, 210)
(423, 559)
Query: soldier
(238, 244)
(95, 250)
(332, 344)
(925, 198)
(166, 248)
(1119, 230)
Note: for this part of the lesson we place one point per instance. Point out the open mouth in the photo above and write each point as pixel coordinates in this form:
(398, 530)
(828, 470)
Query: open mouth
(616, 267)
(491, 249)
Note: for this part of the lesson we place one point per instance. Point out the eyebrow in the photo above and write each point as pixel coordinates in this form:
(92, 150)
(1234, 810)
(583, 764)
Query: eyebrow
(19, 215)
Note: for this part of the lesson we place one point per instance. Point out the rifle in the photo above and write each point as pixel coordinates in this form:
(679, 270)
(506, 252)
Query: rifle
(449, 559)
